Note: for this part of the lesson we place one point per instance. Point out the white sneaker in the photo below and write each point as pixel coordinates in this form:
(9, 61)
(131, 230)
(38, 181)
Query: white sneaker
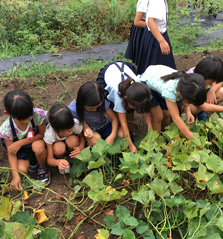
(66, 171)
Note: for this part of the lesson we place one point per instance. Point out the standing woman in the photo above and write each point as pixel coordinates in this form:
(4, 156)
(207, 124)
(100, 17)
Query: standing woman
(137, 29)
(155, 48)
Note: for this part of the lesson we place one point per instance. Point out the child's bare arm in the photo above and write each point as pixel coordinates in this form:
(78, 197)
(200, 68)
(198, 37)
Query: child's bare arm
(211, 95)
(164, 46)
(60, 163)
(114, 120)
(174, 112)
(147, 119)
(125, 129)
(13, 162)
(79, 148)
(13, 148)
(138, 22)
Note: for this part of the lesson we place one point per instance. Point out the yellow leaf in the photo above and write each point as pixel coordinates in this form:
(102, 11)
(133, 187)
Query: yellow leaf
(109, 189)
(25, 195)
(102, 234)
(41, 216)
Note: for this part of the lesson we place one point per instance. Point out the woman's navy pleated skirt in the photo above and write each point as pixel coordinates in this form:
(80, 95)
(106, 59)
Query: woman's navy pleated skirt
(150, 53)
(134, 44)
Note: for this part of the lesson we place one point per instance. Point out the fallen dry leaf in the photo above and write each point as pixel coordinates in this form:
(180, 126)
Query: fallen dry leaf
(125, 182)
(81, 237)
(79, 218)
(60, 197)
(111, 212)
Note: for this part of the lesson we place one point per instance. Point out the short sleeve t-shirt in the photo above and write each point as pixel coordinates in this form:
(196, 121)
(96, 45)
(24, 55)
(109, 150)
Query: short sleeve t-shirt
(39, 116)
(142, 7)
(94, 119)
(113, 77)
(51, 135)
(158, 9)
(152, 77)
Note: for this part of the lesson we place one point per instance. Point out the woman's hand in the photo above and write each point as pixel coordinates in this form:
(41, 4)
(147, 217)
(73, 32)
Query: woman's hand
(16, 183)
(164, 46)
(190, 118)
(14, 148)
(62, 164)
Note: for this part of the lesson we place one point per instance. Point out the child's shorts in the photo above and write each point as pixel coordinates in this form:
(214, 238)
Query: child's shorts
(105, 131)
(25, 152)
(159, 100)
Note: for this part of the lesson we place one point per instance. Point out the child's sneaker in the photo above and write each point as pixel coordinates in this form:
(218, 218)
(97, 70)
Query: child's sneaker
(33, 167)
(44, 175)
(66, 171)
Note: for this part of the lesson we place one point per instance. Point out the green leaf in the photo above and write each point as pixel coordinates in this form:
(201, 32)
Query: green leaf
(203, 176)
(96, 164)
(194, 224)
(213, 117)
(205, 209)
(122, 212)
(118, 176)
(5, 208)
(100, 147)
(182, 167)
(131, 158)
(142, 227)
(94, 180)
(84, 155)
(128, 234)
(215, 164)
(109, 219)
(24, 218)
(16, 206)
(49, 233)
(175, 188)
(150, 171)
(2, 228)
(134, 169)
(130, 221)
(143, 195)
(212, 236)
(118, 229)
(77, 168)
(14, 230)
(70, 214)
(215, 185)
(190, 211)
(219, 223)
(159, 187)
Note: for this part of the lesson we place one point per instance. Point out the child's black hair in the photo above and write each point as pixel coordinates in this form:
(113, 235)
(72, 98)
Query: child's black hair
(60, 117)
(90, 94)
(18, 104)
(137, 94)
(192, 88)
(210, 68)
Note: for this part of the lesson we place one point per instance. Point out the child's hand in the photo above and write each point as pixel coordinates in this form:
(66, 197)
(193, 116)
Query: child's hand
(132, 148)
(165, 48)
(16, 183)
(211, 97)
(14, 148)
(88, 133)
(75, 152)
(110, 140)
(190, 118)
(62, 164)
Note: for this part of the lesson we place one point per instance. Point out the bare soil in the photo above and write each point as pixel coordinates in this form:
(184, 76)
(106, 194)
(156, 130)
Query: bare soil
(46, 91)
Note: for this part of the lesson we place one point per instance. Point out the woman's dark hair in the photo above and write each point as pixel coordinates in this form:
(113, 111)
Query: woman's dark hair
(18, 104)
(136, 94)
(60, 117)
(210, 68)
(90, 94)
(192, 88)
